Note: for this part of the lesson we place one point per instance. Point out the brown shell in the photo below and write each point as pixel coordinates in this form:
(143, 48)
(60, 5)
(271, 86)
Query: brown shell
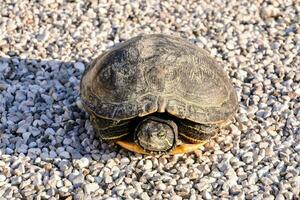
(158, 73)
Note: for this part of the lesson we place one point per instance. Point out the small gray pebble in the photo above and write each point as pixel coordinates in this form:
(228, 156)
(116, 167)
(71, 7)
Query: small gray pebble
(76, 179)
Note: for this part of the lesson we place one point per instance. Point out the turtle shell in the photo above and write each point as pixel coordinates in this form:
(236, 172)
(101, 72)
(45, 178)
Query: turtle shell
(158, 73)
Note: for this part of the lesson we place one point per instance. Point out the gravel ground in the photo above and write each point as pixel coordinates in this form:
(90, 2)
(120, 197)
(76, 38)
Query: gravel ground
(47, 145)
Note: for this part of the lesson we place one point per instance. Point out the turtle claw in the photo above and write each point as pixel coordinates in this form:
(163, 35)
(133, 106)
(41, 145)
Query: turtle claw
(186, 148)
(183, 148)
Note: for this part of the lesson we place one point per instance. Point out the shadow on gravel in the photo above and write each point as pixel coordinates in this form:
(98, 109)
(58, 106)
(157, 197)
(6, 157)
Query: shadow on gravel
(40, 109)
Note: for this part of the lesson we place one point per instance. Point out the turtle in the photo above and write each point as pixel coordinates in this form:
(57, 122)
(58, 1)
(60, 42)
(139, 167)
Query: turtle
(157, 94)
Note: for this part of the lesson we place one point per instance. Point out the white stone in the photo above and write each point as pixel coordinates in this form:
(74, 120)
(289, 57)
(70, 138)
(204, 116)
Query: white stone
(79, 66)
(2, 178)
(145, 196)
(91, 187)
(206, 195)
(83, 162)
(148, 165)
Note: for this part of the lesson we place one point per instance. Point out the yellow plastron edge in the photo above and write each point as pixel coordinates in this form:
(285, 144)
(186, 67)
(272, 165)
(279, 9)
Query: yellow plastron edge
(183, 148)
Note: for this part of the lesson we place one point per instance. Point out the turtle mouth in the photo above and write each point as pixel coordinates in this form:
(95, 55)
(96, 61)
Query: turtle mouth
(155, 135)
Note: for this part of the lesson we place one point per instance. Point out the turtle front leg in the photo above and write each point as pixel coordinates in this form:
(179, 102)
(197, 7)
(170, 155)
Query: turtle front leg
(110, 130)
(196, 133)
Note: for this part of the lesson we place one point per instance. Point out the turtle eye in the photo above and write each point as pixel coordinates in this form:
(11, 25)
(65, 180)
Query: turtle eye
(161, 135)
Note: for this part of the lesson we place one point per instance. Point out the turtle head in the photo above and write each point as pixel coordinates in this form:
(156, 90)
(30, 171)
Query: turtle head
(156, 135)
